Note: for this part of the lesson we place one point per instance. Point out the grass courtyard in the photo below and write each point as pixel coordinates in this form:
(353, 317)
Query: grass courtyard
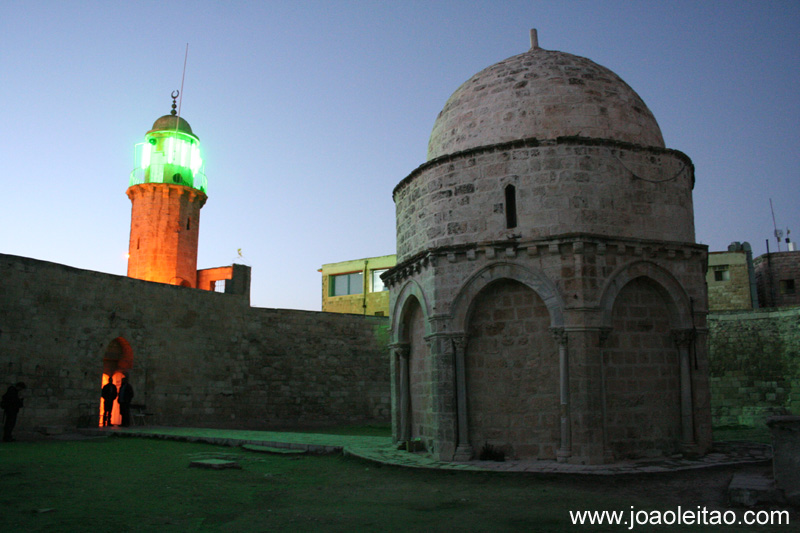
(133, 484)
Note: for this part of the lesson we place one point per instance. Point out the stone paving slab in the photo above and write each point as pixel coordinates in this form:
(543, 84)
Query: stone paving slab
(214, 464)
(752, 489)
(272, 449)
(381, 450)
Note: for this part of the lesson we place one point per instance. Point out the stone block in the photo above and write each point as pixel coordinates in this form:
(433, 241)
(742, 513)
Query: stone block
(214, 464)
(786, 459)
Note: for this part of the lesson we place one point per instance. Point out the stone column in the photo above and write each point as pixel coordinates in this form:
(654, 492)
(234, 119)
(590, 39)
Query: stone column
(683, 339)
(565, 450)
(605, 333)
(464, 450)
(442, 439)
(401, 353)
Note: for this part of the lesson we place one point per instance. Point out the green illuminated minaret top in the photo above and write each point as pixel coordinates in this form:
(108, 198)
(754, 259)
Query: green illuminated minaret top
(170, 154)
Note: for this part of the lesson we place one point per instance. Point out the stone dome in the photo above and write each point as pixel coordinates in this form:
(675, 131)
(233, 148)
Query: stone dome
(168, 122)
(542, 94)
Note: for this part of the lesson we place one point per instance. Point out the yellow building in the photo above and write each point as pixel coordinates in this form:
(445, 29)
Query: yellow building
(730, 279)
(355, 286)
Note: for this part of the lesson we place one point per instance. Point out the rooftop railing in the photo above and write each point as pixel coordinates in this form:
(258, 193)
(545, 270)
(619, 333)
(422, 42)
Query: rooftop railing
(157, 175)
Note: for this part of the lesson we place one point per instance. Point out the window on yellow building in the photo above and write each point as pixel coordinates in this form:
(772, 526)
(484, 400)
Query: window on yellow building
(344, 284)
(721, 273)
(377, 282)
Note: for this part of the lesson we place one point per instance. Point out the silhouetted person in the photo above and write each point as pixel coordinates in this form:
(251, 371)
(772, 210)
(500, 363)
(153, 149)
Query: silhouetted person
(125, 398)
(11, 404)
(109, 394)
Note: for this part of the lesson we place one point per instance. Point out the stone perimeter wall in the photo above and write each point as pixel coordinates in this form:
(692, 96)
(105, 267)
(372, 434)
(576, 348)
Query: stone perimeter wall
(199, 358)
(208, 359)
(755, 365)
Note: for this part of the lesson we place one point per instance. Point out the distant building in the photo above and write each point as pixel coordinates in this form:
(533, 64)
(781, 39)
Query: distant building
(778, 279)
(355, 286)
(738, 282)
(731, 279)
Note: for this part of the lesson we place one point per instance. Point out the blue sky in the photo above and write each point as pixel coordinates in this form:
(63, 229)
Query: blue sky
(310, 112)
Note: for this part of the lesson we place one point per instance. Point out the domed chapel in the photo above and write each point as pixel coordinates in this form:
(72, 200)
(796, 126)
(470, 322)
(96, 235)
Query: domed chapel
(549, 299)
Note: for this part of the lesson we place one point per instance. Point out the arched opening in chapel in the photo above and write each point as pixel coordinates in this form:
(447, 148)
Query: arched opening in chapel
(117, 362)
(512, 373)
(642, 374)
(420, 385)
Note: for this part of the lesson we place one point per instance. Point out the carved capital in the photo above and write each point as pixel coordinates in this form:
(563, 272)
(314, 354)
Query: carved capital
(560, 335)
(460, 342)
(683, 337)
(605, 333)
(401, 351)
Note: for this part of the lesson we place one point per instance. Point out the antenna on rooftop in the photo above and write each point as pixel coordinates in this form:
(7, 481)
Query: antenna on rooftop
(778, 232)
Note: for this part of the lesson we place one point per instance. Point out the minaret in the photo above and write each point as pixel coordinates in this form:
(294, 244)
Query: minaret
(167, 191)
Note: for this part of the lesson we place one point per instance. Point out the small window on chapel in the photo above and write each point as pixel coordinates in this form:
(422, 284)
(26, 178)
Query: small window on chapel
(511, 206)
(721, 273)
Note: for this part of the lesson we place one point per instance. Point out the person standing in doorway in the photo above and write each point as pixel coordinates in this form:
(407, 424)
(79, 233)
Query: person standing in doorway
(11, 405)
(109, 394)
(125, 398)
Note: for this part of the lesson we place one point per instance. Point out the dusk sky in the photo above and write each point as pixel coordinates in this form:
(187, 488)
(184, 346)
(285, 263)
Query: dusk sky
(309, 113)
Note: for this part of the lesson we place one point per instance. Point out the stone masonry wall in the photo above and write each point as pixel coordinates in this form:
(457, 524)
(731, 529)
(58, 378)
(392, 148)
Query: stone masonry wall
(199, 358)
(755, 365)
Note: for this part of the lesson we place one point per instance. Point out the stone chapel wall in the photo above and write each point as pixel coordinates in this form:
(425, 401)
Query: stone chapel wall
(199, 358)
(563, 187)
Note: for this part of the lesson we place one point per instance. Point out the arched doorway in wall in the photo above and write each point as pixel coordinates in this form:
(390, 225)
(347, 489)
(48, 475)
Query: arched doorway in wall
(117, 363)
(420, 385)
(512, 373)
(641, 369)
